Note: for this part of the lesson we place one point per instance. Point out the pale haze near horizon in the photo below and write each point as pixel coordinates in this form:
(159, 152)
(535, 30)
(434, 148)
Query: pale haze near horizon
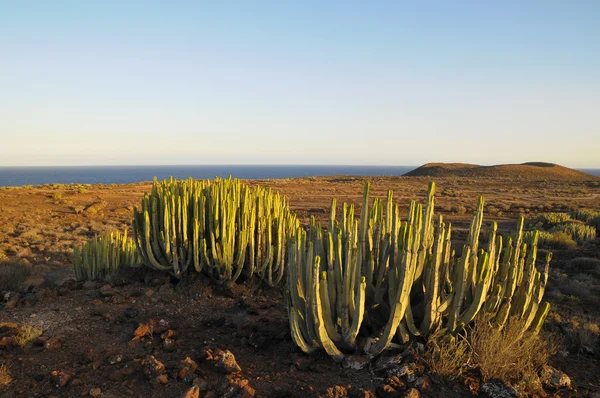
(381, 83)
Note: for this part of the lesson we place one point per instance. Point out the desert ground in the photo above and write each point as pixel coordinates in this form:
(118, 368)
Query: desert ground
(92, 344)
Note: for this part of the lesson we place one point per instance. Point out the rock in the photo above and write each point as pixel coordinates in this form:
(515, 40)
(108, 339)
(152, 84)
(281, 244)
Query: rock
(7, 341)
(190, 363)
(356, 362)
(169, 345)
(336, 392)
(107, 291)
(152, 367)
(423, 383)
(95, 392)
(131, 312)
(60, 378)
(495, 388)
(225, 363)
(385, 363)
(161, 379)
(193, 392)
(12, 299)
(238, 387)
(114, 359)
(412, 393)
(396, 383)
(409, 371)
(53, 344)
(89, 285)
(362, 393)
(162, 326)
(387, 391)
(555, 378)
(304, 363)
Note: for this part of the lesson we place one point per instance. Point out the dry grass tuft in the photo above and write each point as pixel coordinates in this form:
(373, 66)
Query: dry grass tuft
(5, 378)
(446, 355)
(508, 354)
(12, 276)
(27, 335)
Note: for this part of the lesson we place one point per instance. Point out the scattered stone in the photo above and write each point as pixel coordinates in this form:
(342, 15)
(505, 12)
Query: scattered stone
(304, 363)
(496, 388)
(225, 363)
(412, 393)
(95, 392)
(201, 383)
(161, 379)
(60, 378)
(423, 383)
(555, 378)
(107, 291)
(385, 363)
(53, 344)
(387, 391)
(356, 362)
(193, 392)
(131, 312)
(12, 299)
(152, 367)
(238, 387)
(115, 359)
(89, 285)
(337, 392)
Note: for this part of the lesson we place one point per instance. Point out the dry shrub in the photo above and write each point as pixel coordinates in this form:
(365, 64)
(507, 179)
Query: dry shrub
(27, 335)
(584, 265)
(584, 338)
(12, 276)
(508, 354)
(447, 355)
(5, 378)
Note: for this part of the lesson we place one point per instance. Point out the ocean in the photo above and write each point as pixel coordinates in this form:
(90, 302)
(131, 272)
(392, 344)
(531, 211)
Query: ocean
(19, 176)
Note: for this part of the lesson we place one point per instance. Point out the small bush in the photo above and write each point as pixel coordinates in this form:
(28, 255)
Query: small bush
(82, 190)
(507, 354)
(586, 265)
(12, 276)
(56, 196)
(447, 355)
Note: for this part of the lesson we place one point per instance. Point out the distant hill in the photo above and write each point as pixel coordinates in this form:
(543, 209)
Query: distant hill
(531, 170)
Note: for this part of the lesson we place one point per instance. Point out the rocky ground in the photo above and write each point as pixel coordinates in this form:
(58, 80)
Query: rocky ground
(143, 334)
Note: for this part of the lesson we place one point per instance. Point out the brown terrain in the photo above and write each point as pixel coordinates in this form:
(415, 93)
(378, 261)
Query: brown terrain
(92, 343)
(530, 171)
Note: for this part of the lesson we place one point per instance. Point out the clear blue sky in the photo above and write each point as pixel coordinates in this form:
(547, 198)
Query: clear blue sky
(299, 82)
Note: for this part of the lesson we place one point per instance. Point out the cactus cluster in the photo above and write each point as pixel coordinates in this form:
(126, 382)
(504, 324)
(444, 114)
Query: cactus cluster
(363, 284)
(578, 230)
(103, 255)
(219, 227)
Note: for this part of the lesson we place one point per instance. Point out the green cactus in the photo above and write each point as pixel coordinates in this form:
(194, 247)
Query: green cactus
(220, 228)
(363, 283)
(102, 256)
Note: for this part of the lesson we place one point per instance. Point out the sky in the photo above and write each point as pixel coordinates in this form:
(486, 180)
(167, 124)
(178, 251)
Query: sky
(299, 82)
